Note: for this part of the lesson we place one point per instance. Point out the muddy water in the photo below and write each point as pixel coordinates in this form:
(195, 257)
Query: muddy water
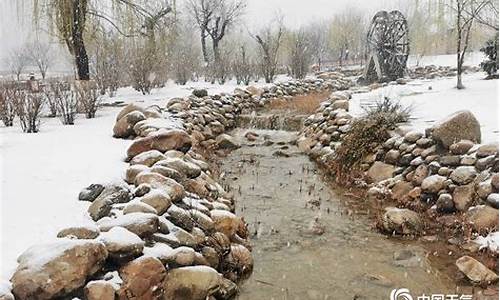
(305, 245)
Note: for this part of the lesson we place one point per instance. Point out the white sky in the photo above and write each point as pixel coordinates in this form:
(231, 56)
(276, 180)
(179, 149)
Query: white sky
(14, 29)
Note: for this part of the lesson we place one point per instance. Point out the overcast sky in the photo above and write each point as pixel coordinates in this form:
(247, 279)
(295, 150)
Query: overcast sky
(14, 30)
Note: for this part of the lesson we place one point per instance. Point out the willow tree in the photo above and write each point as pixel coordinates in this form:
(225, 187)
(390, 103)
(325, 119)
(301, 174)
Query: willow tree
(68, 20)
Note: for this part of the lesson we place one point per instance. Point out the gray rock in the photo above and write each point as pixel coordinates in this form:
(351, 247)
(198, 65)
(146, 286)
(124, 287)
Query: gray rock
(200, 93)
(401, 221)
(492, 200)
(463, 175)
(463, 196)
(445, 204)
(461, 147)
(487, 150)
(91, 192)
(461, 125)
(433, 183)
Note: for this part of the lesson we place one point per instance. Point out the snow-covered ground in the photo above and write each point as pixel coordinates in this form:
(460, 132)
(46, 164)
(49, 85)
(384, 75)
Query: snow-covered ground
(432, 100)
(41, 174)
(449, 60)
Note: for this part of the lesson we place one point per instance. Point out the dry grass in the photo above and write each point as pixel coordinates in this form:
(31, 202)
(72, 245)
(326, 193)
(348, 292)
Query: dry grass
(303, 104)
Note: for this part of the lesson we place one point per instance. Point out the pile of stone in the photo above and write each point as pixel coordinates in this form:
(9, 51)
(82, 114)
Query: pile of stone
(168, 231)
(433, 71)
(443, 173)
(323, 131)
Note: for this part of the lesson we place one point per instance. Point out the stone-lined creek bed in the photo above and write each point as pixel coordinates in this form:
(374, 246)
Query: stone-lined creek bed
(307, 240)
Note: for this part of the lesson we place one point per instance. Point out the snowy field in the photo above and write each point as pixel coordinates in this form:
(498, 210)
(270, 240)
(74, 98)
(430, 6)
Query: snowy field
(432, 100)
(41, 174)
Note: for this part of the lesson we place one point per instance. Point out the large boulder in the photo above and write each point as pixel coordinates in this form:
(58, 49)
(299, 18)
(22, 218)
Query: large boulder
(183, 166)
(56, 269)
(124, 127)
(476, 271)
(380, 171)
(401, 221)
(461, 125)
(99, 290)
(142, 279)
(147, 158)
(112, 193)
(127, 109)
(163, 140)
(171, 187)
(191, 283)
(225, 141)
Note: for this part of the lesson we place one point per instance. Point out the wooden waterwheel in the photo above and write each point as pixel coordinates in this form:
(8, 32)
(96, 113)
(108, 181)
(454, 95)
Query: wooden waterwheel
(387, 47)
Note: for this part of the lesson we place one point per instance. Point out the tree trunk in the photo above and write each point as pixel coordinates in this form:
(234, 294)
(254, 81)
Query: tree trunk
(80, 53)
(459, 46)
(204, 47)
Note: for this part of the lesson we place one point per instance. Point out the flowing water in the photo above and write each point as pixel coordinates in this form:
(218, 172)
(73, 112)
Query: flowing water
(307, 243)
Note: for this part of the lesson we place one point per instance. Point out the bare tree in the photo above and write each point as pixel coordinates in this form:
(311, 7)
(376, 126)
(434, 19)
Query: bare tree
(17, 61)
(70, 19)
(40, 53)
(318, 39)
(347, 35)
(28, 107)
(299, 56)
(106, 63)
(7, 109)
(66, 101)
(184, 57)
(269, 40)
(214, 18)
(466, 12)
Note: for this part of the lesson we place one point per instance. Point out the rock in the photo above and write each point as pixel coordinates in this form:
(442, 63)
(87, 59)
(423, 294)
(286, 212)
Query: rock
(112, 193)
(482, 218)
(486, 162)
(461, 147)
(142, 279)
(162, 140)
(225, 141)
(139, 223)
(83, 232)
(380, 171)
(433, 183)
(392, 157)
(56, 269)
(91, 192)
(475, 271)
(127, 109)
(200, 93)
(191, 283)
(421, 172)
(251, 136)
(412, 137)
(147, 158)
(484, 189)
(173, 189)
(449, 160)
(124, 127)
(494, 181)
(138, 207)
(255, 91)
(179, 257)
(463, 196)
(157, 199)
(226, 222)
(461, 125)
(487, 150)
(6, 290)
(168, 172)
(132, 172)
(401, 221)
(341, 104)
(187, 168)
(492, 200)
(463, 175)
(241, 261)
(99, 290)
(122, 245)
(445, 204)
(400, 190)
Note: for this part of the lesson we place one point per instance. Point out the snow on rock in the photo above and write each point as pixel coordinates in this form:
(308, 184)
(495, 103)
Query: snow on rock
(6, 290)
(490, 242)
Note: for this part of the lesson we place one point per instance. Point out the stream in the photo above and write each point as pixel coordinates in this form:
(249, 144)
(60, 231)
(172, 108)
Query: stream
(307, 242)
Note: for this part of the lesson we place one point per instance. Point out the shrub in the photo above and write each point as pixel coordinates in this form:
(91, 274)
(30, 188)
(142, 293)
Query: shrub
(89, 98)
(66, 101)
(28, 106)
(490, 66)
(7, 110)
(365, 134)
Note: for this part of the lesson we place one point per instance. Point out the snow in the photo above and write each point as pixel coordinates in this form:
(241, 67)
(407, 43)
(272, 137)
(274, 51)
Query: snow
(120, 237)
(41, 174)
(448, 60)
(5, 289)
(490, 242)
(431, 105)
